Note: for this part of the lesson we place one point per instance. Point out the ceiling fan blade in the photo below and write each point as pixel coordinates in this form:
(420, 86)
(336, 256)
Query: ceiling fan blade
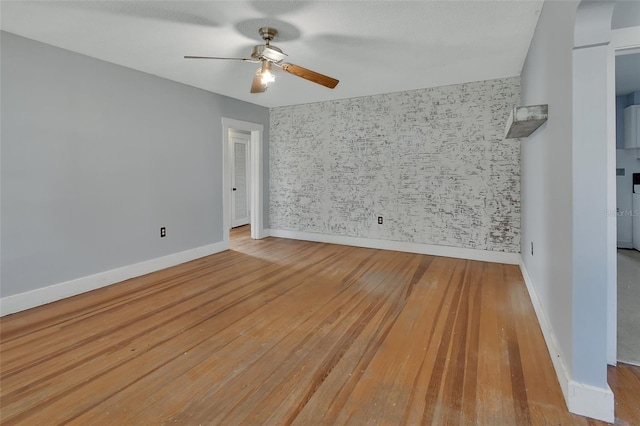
(216, 57)
(310, 75)
(256, 85)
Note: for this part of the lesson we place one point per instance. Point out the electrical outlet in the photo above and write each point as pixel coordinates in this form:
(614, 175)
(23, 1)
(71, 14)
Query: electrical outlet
(163, 232)
(380, 220)
(531, 248)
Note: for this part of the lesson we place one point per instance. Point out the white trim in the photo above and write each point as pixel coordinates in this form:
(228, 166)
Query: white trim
(591, 401)
(612, 220)
(624, 244)
(624, 39)
(430, 249)
(581, 399)
(547, 332)
(42, 296)
(256, 172)
(256, 167)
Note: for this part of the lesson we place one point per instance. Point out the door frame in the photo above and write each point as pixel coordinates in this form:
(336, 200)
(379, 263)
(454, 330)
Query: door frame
(256, 196)
(624, 41)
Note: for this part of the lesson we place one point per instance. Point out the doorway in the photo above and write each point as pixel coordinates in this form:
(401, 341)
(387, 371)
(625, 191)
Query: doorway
(255, 190)
(628, 260)
(240, 177)
(625, 44)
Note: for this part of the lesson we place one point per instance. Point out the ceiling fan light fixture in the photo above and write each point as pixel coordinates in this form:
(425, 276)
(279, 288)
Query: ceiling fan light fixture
(266, 76)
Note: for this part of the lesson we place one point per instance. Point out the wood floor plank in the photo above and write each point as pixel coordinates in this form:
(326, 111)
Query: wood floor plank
(625, 379)
(302, 304)
(280, 331)
(323, 347)
(165, 328)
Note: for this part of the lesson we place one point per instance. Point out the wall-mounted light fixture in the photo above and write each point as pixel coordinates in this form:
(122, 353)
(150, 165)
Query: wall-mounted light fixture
(525, 120)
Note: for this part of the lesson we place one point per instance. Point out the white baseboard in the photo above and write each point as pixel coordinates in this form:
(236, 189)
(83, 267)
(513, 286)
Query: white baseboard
(430, 249)
(549, 336)
(625, 244)
(263, 233)
(581, 399)
(30, 299)
(591, 401)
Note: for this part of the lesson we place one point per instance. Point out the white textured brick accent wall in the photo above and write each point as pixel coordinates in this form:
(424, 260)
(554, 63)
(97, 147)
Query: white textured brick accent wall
(432, 162)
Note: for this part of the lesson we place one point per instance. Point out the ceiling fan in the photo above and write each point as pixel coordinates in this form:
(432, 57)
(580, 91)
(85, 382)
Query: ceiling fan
(268, 55)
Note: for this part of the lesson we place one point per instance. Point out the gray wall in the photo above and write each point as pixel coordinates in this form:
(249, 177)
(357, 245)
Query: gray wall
(432, 162)
(547, 170)
(96, 158)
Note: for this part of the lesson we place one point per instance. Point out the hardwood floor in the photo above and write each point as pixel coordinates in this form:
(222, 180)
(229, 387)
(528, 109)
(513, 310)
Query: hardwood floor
(279, 331)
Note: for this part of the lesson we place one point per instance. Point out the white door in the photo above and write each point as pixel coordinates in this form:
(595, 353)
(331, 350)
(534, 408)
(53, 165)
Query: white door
(239, 151)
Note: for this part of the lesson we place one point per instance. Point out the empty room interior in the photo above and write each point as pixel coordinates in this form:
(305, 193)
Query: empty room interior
(318, 213)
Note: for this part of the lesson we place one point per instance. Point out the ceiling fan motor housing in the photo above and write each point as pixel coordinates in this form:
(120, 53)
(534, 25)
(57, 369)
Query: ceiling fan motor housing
(267, 52)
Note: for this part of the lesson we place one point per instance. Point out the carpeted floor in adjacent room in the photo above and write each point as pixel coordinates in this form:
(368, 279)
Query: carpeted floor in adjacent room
(629, 306)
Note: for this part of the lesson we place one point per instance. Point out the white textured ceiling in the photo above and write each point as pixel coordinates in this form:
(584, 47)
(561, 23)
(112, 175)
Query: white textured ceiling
(372, 47)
